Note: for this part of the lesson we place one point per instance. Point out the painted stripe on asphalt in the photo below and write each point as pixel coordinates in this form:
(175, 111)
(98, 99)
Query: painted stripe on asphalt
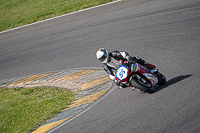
(78, 103)
(46, 128)
(91, 83)
(31, 78)
(76, 75)
(94, 82)
(111, 89)
(86, 99)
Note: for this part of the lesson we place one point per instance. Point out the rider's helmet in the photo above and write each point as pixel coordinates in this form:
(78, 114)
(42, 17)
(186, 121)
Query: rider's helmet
(102, 55)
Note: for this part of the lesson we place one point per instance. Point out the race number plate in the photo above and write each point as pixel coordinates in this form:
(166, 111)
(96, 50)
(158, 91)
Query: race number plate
(122, 73)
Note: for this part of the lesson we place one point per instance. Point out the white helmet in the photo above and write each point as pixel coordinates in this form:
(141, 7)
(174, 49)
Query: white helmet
(102, 55)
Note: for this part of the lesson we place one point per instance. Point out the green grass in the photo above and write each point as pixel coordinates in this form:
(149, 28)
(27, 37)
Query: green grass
(24, 109)
(15, 13)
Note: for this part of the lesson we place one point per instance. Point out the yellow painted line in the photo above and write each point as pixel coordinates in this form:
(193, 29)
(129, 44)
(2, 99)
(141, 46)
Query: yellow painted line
(76, 75)
(71, 75)
(31, 78)
(86, 99)
(95, 82)
(48, 127)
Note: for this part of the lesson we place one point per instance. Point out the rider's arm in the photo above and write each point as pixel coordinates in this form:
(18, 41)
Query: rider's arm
(142, 62)
(118, 55)
(109, 71)
(138, 60)
(125, 56)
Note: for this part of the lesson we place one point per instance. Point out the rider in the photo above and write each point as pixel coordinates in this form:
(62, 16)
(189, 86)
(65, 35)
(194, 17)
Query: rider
(111, 61)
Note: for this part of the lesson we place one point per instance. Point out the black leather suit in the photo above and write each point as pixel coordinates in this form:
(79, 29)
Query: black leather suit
(115, 56)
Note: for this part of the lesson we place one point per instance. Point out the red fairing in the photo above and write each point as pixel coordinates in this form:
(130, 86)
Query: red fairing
(150, 66)
(141, 69)
(123, 73)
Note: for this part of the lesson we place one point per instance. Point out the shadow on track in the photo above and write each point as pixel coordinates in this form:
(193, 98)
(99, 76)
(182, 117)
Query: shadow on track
(173, 81)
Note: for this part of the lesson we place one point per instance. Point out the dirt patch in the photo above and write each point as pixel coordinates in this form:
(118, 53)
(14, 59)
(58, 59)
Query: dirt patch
(60, 84)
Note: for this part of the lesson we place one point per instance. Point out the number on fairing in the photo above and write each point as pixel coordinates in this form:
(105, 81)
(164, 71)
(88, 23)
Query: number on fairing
(122, 73)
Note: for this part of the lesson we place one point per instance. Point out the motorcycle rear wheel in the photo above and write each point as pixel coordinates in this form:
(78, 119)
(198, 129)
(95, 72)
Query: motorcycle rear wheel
(161, 79)
(137, 83)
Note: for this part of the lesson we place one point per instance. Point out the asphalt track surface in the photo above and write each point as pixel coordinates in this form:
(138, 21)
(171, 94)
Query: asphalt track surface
(165, 33)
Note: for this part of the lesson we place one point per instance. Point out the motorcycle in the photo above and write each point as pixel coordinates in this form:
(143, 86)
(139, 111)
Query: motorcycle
(138, 76)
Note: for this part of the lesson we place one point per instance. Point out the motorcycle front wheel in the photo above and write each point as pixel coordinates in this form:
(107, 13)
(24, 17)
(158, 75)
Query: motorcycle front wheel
(141, 82)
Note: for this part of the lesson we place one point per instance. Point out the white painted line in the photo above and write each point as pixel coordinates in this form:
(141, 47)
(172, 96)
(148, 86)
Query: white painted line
(61, 16)
(96, 102)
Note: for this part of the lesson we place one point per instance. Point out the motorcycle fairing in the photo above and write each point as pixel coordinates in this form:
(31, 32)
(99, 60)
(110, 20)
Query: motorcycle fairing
(153, 80)
(150, 76)
(134, 67)
(141, 69)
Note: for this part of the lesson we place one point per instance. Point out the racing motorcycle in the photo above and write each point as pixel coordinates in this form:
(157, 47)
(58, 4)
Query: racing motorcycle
(138, 76)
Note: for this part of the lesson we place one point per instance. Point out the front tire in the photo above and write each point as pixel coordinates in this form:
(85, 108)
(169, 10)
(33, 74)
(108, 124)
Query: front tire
(137, 83)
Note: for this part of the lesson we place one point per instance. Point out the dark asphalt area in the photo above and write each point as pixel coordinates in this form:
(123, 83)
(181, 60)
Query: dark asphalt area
(164, 33)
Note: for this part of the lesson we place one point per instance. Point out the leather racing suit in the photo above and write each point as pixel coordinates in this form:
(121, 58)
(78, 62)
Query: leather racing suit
(113, 63)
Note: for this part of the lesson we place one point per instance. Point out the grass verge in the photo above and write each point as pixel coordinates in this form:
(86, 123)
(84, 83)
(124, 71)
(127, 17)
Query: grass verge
(15, 13)
(24, 109)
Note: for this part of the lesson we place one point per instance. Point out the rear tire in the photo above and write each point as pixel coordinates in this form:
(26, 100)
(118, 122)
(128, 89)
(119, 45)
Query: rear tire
(134, 81)
(161, 79)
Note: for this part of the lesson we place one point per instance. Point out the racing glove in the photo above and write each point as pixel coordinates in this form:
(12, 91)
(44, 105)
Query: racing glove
(120, 84)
